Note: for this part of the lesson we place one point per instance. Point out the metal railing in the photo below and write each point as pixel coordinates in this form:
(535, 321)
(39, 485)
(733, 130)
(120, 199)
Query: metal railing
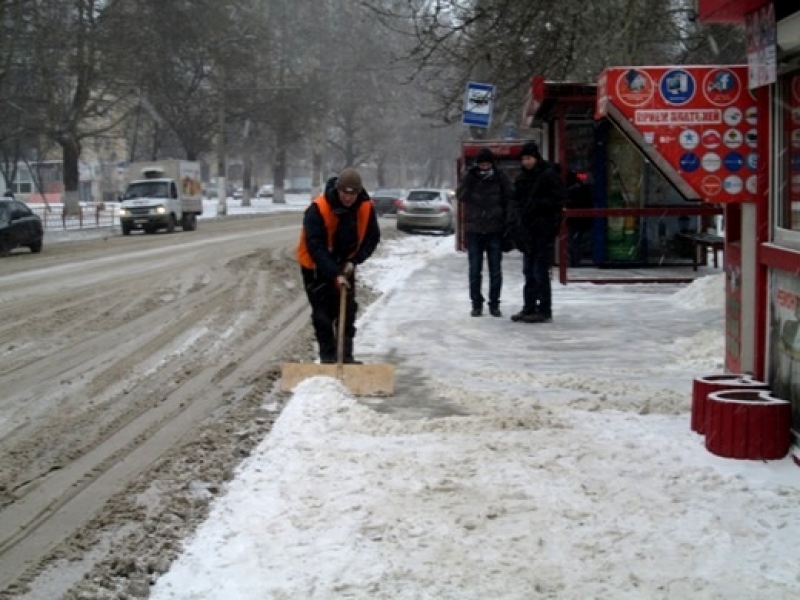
(605, 213)
(88, 216)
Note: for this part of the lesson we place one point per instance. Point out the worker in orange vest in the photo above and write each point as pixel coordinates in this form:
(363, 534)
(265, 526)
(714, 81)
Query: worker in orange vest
(340, 231)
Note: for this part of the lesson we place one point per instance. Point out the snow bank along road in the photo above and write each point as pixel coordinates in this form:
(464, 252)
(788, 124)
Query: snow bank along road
(132, 373)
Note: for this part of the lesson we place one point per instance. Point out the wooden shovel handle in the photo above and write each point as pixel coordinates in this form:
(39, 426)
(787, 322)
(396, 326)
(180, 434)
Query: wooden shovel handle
(340, 329)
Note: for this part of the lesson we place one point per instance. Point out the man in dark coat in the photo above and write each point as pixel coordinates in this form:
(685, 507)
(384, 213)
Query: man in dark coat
(485, 192)
(340, 231)
(539, 198)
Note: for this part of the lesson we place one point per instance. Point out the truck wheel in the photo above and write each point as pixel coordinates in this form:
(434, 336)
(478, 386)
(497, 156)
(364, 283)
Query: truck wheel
(189, 222)
(126, 229)
(171, 224)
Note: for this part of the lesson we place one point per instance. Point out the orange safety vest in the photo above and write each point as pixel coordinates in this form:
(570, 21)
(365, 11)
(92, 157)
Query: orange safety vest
(331, 221)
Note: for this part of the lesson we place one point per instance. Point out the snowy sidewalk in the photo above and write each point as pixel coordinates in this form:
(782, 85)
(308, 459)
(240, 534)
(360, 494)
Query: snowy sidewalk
(515, 461)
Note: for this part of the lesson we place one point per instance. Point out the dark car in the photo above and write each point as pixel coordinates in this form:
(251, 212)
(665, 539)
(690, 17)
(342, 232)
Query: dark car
(19, 227)
(386, 200)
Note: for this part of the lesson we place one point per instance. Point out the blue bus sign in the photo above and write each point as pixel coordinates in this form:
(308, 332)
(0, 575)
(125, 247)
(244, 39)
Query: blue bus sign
(478, 104)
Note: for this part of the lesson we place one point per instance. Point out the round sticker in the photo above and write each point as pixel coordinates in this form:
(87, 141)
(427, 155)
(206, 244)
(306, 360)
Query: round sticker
(733, 161)
(721, 87)
(732, 116)
(751, 115)
(796, 138)
(635, 88)
(677, 86)
(711, 138)
(795, 161)
(751, 137)
(733, 184)
(689, 162)
(733, 138)
(752, 161)
(751, 185)
(689, 139)
(711, 185)
(711, 162)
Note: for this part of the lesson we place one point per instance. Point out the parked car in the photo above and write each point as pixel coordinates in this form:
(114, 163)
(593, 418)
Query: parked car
(19, 227)
(266, 191)
(210, 192)
(427, 209)
(386, 200)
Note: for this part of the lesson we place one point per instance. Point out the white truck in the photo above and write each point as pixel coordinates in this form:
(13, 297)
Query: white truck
(162, 194)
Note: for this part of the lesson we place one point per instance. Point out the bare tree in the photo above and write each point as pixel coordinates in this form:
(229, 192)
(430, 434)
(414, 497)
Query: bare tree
(505, 42)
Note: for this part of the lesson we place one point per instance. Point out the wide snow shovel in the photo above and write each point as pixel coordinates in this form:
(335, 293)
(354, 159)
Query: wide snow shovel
(361, 380)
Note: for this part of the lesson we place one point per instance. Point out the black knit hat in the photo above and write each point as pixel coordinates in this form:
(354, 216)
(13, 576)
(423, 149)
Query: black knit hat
(531, 149)
(484, 155)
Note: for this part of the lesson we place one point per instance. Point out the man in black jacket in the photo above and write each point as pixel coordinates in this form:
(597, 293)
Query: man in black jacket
(485, 192)
(340, 231)
(539, 198)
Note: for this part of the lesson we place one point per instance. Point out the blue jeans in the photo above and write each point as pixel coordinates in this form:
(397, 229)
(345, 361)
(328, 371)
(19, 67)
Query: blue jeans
(490, 244)
(537, 293)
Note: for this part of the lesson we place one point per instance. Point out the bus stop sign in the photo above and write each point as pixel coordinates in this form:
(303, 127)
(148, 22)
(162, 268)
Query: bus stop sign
(478, 104)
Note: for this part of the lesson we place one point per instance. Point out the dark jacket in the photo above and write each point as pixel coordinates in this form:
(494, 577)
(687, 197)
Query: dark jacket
(486, 200)
(345, 240)
(539, 198)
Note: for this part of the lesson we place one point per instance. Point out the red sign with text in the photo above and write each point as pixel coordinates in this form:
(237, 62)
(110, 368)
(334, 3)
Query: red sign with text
(701, 119)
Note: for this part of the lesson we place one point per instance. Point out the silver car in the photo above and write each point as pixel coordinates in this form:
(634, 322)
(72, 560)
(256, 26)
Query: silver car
(427, 209)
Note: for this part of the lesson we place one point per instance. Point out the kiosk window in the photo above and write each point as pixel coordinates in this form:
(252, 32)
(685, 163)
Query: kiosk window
(789, 178)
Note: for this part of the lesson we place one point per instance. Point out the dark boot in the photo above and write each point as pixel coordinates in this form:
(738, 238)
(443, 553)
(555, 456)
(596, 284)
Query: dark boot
(327, 352)
(348, 352)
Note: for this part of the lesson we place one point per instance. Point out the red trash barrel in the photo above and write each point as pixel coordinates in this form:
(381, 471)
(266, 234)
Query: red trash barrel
(703, 386)
(748, 424)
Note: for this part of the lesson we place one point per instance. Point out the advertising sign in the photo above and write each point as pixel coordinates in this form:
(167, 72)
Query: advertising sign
(478, 102)
(700, 119)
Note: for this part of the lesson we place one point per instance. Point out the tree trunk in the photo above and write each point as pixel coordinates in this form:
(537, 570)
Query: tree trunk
(247, 173)
(279, 170)
(71, 152)
(317, 149)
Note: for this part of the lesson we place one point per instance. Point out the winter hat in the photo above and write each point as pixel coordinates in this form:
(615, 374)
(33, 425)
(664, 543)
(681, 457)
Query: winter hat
(531, 149)
(484, 155)
(349, 181)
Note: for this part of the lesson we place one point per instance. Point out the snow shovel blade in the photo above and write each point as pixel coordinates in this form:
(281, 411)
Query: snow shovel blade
(361, 380)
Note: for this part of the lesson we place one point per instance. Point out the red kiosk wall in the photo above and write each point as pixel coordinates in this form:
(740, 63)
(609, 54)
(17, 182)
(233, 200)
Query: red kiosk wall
(733, 288)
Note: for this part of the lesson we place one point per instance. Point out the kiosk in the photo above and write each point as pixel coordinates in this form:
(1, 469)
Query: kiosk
(762, 250)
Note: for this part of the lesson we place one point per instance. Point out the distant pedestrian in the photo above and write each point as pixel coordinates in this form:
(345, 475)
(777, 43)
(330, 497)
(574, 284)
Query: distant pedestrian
(485, 192)
(539, 197)
(340, 231)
